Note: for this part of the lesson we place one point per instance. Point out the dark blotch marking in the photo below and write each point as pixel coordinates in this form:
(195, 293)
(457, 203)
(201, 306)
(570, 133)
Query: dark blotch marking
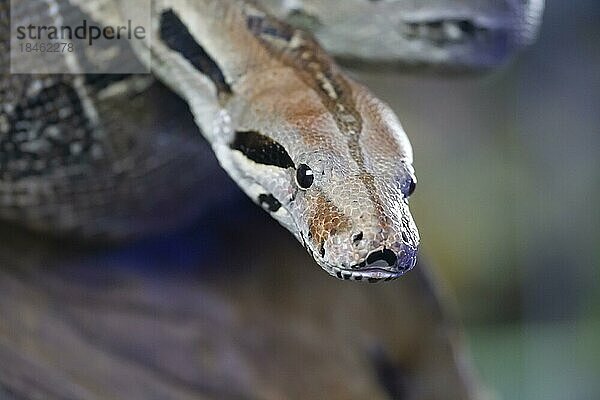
(101, 81)
(358, 237)
(358, 278)
(347, 276)
(339, 274)
(269, 202)
(261, 149)
(322, 249)
(176, 35)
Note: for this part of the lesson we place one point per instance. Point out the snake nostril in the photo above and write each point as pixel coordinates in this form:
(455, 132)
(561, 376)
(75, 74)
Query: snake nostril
(386, 255)
(357, 237)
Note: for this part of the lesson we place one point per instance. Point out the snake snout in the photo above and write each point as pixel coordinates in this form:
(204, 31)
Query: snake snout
(373, 260)
(400, 259)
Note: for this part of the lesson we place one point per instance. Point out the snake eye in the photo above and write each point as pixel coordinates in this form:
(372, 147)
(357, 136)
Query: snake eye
(409, 186)
(304, 176)
(412, 186)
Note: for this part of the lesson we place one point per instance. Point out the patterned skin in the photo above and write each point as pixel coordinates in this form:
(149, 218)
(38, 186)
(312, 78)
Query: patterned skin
(326, 158)
(97, 157)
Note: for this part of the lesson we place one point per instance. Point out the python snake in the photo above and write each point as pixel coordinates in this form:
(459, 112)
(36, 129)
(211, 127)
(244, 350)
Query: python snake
(92, 155)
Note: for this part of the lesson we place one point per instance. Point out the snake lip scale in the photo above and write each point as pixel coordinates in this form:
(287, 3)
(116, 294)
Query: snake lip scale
(376, 271)
(372, 275)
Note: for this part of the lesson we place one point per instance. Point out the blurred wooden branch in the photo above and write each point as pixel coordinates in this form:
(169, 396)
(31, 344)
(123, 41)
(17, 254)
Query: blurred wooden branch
(254, 323)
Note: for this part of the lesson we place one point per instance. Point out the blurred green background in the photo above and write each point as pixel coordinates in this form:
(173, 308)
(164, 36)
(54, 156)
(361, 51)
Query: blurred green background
(508, 204)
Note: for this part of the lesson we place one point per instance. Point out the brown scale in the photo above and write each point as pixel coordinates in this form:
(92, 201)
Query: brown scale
(316, 69)
(327, 221)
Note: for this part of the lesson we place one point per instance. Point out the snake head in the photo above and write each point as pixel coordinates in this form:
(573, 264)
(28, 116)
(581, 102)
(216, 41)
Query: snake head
(339, 178)
(350, 240)
(322, 155)
(355, 220)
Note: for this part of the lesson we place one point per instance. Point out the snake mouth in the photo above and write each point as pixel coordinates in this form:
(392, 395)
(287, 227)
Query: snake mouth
(457, 39)
(451, 29)
(380, 265)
